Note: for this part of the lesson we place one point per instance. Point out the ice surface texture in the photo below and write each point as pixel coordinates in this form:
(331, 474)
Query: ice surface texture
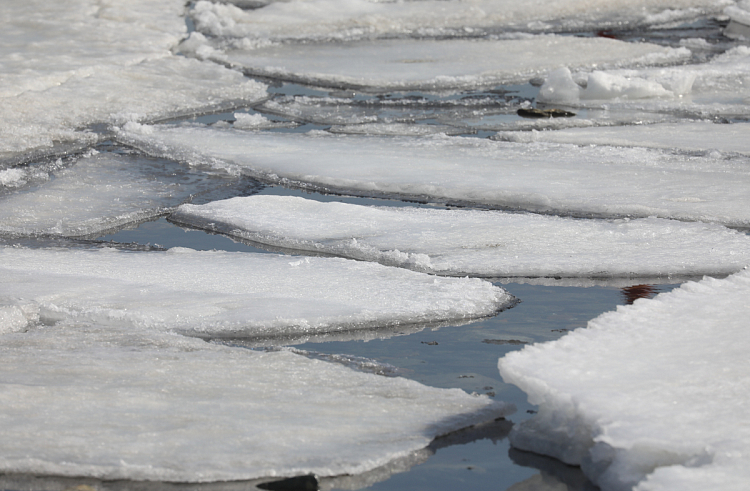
(74, 63)
(653, 393)
(435, 65)
(99, 401)
(540, 177)
(234, 294)
(478, 243)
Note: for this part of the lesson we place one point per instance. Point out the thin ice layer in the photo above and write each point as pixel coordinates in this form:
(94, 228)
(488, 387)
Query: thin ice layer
(73, 63)
(353, 19)
(563, 179)
(99, 191)
(480, 243)
(215, 293)
(688, 136)
(93, 400)
(407, 64)
(653, 394)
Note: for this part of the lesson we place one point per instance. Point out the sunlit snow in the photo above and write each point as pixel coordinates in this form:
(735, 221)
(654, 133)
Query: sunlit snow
(479, 243)
(80, 399)
(595, 181)
(652, 393)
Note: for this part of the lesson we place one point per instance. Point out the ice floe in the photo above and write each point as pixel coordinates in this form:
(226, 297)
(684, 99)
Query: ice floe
(483, 243)
(651, 395)
(214, 294)
(541, 177)
(95, 193)
(343, 20)
(399, 64)
(100, 401)
(78, 62)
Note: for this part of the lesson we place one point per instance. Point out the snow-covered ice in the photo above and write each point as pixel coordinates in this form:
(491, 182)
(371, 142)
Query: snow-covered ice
(74, 63)
(213, 293)
(399, 64)
(96, 400)
(477, 243)
(578, 180)
(653, 394)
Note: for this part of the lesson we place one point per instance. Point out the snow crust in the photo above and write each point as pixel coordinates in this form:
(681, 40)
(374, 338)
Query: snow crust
(400, 64)
(588, 181)
(72, 63)
(651, 395)
(477, 243)
(97, 400)
(355, 19)
(234, 294)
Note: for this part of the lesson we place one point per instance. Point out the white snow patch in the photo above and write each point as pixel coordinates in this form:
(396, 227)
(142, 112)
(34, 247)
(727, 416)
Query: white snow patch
(486, 243)
(649, 395)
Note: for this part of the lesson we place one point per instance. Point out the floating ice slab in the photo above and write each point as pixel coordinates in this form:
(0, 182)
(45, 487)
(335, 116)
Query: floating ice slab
(686, 136)
(652, 394)
(92, 400)
(76, 62)
(98, 192)
(235, 294)
(438, 65)
(564, 179)
(482, 243)
(352, 19)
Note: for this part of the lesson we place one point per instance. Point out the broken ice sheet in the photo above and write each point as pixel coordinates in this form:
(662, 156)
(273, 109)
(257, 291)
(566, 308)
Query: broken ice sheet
(695, 136)
(478, 243)
(580, 181)
(408, 64)
(98, 192)
(652, 394)
(83, 399)
(225, 294)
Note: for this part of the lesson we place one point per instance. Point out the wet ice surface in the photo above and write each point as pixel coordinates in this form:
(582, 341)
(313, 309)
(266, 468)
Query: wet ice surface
(478, 243)
(99, 71)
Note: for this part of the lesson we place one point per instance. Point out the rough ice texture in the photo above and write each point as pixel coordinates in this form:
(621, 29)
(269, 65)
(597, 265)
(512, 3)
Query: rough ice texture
(439, 64)
(652, 395)
(586, 181)
(236, 294)
(686, 136)
(73, 63)
(352, 19)
(481, 243)
(99, 401)
(98, 192)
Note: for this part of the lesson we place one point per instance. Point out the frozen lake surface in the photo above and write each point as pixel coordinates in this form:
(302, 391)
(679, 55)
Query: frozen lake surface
(250, 241)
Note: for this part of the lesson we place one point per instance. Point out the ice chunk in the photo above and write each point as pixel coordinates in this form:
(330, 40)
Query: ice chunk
(599, 181)
(71, 64)
(236, 294)
(652, 394)
(100, 192)
(353, 19)
(486, 243)
(435, 64)
(90, 400)
(686, 136)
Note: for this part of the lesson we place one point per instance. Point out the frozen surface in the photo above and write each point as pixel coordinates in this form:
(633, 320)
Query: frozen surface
(214, 293)
(73, 63)
(652, 394)
(97, 192)
(597, 181)
(486, 243)
(353, 19)
(685, 136)
(440, 64)
(99, 401)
